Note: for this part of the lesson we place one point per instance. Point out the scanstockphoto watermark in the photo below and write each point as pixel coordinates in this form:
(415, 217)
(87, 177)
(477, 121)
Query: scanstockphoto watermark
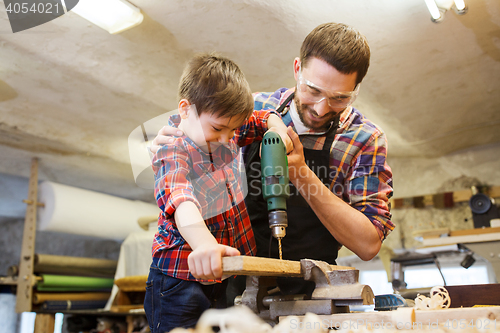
(26, 14)
(456, 324)
(311, 190)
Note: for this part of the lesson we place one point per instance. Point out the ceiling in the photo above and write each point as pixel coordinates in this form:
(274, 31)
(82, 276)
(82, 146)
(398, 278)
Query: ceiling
(71, 93)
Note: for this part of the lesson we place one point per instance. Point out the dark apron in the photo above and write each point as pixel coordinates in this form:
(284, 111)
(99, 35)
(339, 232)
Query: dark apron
(306, 236)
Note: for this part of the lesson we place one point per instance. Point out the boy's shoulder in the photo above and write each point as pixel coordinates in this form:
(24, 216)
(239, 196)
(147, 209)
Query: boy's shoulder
(176, 148)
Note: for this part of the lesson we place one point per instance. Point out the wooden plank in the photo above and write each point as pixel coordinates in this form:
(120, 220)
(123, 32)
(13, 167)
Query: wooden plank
(125, 308)
(477, 231)
(466, 239)
(44, 323)
(470, 295)
(494, 192)
(26, 278)
(243, 265)
(8, 280)
(461, 196)
(431, 233)
(428, 202)
(424, 319)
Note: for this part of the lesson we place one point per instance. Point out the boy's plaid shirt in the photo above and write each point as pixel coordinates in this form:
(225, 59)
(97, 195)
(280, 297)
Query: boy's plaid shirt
(358, 173)
(214, 182)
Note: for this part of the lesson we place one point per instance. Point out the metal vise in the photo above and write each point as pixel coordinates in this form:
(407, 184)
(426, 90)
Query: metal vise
(335, 291)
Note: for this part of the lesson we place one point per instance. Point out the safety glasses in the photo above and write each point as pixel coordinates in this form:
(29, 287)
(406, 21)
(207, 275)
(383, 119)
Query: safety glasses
(313, 93)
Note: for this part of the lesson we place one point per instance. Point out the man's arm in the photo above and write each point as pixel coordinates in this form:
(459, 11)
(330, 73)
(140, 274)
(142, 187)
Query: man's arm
(205, 262)
(348, 225)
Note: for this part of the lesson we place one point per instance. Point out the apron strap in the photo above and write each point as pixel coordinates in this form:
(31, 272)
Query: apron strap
(285, 103)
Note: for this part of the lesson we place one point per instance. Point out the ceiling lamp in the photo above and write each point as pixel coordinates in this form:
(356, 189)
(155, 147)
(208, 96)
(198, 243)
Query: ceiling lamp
(437, 8)
(114, 16)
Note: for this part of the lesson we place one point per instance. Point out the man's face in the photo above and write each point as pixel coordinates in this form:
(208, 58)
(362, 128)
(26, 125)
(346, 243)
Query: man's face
(319, 115)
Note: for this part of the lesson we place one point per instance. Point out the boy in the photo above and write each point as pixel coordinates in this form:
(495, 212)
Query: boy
(197, 187)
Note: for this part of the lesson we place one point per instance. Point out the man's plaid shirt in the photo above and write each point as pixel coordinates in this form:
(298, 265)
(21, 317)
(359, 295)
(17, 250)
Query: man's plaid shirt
(214, 182)
(359, 173)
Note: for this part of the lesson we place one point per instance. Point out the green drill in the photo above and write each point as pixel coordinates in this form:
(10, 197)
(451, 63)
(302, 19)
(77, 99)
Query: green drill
(275, 188)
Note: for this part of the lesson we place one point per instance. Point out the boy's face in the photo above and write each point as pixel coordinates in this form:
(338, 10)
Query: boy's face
(208, 131)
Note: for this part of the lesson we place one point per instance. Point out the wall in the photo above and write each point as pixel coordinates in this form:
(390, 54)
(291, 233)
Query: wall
(422, 176)
(452, 172)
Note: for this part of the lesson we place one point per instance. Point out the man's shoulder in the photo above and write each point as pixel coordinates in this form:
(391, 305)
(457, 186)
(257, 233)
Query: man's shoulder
(359, 120)
(268, 100)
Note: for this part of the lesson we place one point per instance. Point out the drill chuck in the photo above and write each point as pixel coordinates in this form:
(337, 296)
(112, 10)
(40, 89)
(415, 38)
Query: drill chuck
(278, 221)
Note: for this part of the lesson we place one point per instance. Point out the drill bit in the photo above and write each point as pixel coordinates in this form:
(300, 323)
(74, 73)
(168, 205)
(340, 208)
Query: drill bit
(281, 253)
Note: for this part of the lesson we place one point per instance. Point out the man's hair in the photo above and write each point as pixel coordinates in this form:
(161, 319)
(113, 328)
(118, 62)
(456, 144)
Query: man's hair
(216, 85)
(341, 46)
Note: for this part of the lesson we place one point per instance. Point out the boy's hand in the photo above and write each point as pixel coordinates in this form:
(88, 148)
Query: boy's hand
(205, 262)
(284, 136)
(162, 139)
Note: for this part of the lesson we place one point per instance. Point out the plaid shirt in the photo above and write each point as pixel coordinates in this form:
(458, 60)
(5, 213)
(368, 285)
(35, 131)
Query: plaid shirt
(359, 173)
(214, 182)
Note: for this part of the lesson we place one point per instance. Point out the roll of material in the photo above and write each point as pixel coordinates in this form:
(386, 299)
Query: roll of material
(72, 283)
(72, 305)
(76, 211)
(46, 263)
(43, 297)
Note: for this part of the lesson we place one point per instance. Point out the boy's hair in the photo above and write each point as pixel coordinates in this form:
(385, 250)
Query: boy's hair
(216, 85)
(341, 46)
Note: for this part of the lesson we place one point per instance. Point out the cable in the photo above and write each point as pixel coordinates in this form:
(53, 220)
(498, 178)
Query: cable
(439, 269)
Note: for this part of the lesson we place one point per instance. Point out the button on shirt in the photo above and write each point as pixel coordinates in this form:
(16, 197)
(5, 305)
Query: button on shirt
(214, 182)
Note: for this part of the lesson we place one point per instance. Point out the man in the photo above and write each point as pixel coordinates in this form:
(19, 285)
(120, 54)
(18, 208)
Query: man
(341, 181)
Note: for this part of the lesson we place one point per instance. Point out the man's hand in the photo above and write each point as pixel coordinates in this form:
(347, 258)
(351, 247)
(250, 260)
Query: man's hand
(163, 139)
(296, 160)
(206, 261)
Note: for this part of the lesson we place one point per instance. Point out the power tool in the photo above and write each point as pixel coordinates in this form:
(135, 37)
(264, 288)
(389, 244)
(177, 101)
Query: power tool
(275, 188)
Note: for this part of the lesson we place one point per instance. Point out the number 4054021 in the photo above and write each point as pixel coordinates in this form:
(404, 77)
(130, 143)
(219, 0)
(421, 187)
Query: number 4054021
(25, 8)
(473, 323)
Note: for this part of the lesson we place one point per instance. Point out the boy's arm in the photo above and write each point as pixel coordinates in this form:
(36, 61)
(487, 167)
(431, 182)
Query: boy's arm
(205, 262)
(274, 123)
(258, 123)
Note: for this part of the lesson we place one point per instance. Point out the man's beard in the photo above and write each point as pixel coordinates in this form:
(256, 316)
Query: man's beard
(323, 126)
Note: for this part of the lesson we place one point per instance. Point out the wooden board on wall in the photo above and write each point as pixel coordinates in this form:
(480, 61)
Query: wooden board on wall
(440, 200)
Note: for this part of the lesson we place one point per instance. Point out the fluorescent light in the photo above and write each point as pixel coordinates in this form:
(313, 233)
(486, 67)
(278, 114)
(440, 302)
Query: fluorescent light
(112, 15)
(460, 4)
(433, 9)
